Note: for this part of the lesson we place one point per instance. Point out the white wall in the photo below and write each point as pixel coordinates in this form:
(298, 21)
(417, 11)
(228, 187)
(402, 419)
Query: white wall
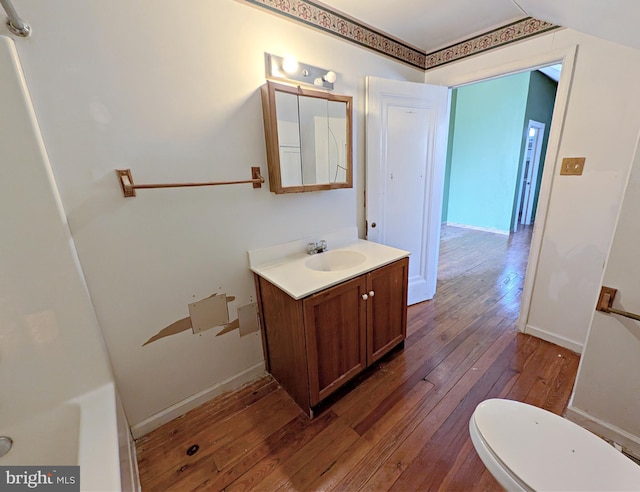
(601, 123)
(605, 397)
(50, 344)
(171, 90)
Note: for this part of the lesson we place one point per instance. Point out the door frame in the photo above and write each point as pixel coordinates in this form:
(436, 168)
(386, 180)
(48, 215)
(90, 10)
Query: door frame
(567, 57)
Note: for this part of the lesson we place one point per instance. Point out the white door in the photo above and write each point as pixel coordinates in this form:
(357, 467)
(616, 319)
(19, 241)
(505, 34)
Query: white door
(530, 166)
(407, 126)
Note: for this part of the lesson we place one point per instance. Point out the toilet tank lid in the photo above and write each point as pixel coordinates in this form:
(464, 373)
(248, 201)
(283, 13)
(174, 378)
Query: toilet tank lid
(548, 452)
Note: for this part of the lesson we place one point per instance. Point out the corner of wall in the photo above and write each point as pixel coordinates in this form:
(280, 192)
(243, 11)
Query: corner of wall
(554, 338)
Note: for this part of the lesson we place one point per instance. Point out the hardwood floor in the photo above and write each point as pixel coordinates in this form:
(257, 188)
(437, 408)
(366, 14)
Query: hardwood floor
(401, 426)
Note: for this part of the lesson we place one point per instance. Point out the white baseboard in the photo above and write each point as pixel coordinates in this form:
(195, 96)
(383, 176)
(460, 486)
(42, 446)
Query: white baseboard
(630, 443)
(134, 473)
(182, 407)
(553, 338)
(476, 228)
(129, 473)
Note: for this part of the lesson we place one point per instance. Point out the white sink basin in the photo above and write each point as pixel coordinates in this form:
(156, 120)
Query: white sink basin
(331, 261)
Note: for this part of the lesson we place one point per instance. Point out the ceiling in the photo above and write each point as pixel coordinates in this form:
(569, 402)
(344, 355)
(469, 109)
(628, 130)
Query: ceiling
(434, 24)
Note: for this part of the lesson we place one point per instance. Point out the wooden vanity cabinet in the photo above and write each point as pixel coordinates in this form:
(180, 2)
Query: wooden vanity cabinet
(315, 345)
(387, 311)
(335, 327)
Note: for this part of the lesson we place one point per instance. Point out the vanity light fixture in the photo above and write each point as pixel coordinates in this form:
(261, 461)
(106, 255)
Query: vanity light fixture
(330, 76)
(289, 69)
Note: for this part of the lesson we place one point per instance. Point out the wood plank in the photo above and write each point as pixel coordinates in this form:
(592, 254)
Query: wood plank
(488, 483)
(246, 440)
(535, 366)
(221, 407)
(322, 461)
(381, 467)
(465, 471)
(464, 349)
(260, 461)
(215, 436)
(465, 307)
(379, 433)
(322, 444)
(450, 426)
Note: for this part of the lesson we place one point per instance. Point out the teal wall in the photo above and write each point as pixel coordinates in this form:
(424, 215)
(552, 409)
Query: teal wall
(542, 97)
(486, 143)
(485, 152)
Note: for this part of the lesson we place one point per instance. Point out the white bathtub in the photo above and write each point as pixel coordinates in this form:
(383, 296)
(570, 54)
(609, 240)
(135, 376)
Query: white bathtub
(82, 431)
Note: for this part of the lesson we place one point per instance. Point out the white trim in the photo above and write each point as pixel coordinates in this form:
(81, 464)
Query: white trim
(478, 228)
(134, 471)
(629, 442)
(129, 472)
(552, 57)
(548, 175)
(147, 425)
(553, 338)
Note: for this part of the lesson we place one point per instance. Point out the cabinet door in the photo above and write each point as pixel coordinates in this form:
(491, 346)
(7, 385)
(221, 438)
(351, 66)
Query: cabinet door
(386, 308)
(335, 329)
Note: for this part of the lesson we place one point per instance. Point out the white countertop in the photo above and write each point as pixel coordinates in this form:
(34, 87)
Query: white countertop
(290, 274)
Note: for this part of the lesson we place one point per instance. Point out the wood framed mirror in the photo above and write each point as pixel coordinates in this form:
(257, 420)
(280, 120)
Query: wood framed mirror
(309, 139)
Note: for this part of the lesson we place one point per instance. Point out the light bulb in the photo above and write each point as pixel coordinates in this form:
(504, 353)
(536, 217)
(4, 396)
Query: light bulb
(330, 76)
(289, 64)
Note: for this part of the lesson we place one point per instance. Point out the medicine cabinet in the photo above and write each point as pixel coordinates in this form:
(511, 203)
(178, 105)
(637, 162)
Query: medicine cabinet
(309, 139)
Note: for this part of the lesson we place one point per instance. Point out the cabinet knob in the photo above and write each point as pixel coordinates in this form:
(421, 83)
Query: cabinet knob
(365, 296)
(371, 293)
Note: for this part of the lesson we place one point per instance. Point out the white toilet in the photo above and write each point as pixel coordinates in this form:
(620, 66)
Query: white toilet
(528, 448)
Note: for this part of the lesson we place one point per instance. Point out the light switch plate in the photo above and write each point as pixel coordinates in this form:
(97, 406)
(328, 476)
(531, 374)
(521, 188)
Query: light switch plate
(572, 166)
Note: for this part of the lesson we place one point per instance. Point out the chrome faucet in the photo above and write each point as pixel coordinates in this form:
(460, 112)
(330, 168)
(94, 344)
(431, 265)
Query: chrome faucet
(319, 247)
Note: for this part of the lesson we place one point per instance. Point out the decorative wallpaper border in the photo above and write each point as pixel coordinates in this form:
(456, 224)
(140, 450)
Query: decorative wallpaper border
(325, 19)
(321, 17)
(501, 36)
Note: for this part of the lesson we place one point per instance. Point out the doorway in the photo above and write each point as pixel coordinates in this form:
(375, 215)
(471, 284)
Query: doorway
(498, 139)
(456, 79)
(491, 178)
(566, 57)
